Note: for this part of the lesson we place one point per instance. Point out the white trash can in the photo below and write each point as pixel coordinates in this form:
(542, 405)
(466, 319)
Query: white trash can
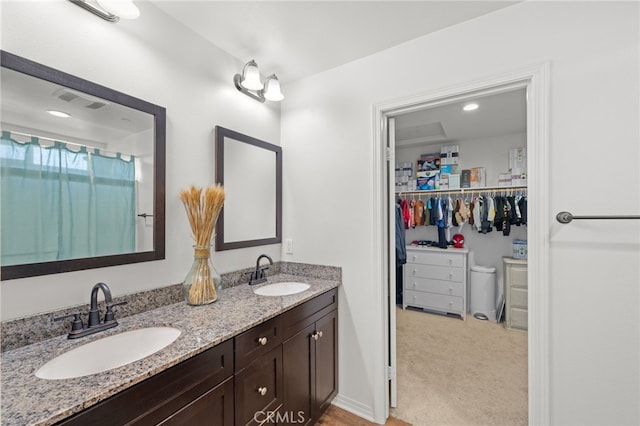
(483, 292)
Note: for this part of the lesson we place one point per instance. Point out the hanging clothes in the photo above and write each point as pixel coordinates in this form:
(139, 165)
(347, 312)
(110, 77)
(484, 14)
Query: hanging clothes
(406, 214)
(401, 245)
(418, 209)
(401, 252)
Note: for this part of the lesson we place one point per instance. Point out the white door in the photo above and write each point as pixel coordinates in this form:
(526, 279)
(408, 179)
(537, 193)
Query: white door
(391, 269)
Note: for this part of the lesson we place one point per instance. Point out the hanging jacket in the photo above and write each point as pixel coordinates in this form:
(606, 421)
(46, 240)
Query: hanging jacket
(522, 206)
(406, 214)
(418, 209)
(401, 246)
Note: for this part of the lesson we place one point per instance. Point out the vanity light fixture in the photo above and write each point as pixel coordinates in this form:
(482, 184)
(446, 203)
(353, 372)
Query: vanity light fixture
(111, 10)
(470, 107)
(250, 84)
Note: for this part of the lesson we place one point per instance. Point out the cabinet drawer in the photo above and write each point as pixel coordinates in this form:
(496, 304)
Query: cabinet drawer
(440, 259)
(438, 302)
(518, 275)
(518, 297)
(517, 318)
(450, 288)
(259, 388)
(258, 341)
(443, 273)
(309, 312)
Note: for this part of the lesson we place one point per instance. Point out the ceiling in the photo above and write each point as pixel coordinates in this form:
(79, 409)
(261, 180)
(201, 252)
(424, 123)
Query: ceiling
(295, 39)
(497, 115)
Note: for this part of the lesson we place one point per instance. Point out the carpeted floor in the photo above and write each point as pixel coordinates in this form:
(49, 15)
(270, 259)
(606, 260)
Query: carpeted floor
(454, 372)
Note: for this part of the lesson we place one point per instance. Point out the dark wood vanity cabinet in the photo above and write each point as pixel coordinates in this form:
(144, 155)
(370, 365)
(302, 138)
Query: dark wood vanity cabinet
(310, 358)
(283, 371)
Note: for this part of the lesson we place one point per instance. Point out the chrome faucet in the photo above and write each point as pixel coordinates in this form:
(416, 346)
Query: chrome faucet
(257, 276)
(93, 324)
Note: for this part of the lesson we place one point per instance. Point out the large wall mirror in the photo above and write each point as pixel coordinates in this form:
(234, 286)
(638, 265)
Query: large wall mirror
(251, 172)
(82, 173)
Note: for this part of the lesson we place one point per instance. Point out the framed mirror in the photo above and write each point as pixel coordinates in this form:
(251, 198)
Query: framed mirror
(82, 173)
(251, 172)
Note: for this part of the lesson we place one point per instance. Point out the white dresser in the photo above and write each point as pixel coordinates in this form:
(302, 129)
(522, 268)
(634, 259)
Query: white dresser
(516, 293)
(436, 280)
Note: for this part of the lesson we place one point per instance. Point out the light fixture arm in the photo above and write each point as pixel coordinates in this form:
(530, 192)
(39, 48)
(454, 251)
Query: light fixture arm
(96, 11)
(258, 96)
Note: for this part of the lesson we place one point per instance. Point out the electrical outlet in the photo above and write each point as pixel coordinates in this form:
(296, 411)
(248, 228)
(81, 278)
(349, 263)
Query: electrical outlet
(288, 246)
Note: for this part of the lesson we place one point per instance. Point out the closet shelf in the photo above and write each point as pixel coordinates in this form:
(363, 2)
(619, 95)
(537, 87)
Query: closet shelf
(491, 189)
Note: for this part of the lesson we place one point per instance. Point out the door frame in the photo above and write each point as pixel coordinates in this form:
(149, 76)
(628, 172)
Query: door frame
(535, 79)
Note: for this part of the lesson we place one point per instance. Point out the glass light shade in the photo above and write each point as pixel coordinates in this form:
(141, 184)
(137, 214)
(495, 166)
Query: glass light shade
(251, 76)
(272, 89)
(123, 8)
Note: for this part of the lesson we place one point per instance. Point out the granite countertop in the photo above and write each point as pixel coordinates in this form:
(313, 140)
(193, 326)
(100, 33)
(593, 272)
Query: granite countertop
(28, 400)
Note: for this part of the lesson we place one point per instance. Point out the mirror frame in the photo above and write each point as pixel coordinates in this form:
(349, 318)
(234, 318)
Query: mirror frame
(220, 134)
(26, 66)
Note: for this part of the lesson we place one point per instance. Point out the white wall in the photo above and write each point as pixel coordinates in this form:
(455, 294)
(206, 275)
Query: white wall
(155, 59)
(593, 50)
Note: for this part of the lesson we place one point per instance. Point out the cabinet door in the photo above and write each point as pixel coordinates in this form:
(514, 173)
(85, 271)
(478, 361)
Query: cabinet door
(214, 408)
(296, 357)
(259, 389)
(326, 363)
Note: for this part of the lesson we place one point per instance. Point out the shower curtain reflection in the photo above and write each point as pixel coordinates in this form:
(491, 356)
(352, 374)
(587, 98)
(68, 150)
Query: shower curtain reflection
(57, 203)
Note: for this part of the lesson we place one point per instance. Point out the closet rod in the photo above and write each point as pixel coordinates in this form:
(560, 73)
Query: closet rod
(566, 217)
(466, 190)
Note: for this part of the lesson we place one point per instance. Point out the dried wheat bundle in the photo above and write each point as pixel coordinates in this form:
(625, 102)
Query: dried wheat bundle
(202, 211)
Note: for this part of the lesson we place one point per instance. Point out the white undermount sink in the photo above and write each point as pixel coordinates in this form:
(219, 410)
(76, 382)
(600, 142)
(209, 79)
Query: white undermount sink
(108, 353)
(281, 289)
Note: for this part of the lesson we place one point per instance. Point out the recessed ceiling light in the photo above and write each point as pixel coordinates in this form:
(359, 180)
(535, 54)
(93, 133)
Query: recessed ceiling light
(60, 114)
(470, 107)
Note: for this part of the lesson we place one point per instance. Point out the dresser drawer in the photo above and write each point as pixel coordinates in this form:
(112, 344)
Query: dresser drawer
(438, 302)
(443, 273)
(518, 275)
(450, 288)
(441, 259)
(517, 318)
(518, 297)
(252, 344)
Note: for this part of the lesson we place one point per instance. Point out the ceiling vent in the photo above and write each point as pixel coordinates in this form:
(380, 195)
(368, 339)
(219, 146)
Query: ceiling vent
(79, 99)
(423, 133)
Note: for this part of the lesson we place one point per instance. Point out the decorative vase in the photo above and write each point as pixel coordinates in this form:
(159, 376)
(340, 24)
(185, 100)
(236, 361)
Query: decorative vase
(203, 283)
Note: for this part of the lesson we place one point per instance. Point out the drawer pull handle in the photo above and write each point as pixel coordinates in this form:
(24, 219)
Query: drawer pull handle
(262, 390)
(450, 275)
(450, 290)
(415, 271)
(316, 335)
(262, 340)
(450, 261)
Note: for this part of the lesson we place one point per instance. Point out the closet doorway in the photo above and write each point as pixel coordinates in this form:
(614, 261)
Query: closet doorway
(476, 362)
(530, 84)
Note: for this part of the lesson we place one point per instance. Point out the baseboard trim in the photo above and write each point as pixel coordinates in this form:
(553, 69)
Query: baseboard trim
(354, 407)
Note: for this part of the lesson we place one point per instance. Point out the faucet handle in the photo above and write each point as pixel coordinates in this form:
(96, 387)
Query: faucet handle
(77, 321)
(109, 314)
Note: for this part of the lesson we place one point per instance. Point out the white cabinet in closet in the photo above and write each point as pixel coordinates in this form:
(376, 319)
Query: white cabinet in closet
(516, 293)
(436, 280)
